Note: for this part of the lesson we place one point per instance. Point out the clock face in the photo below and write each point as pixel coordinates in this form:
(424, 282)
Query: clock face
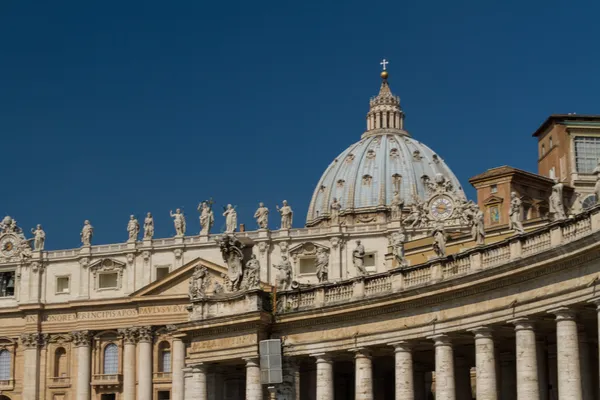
(8, 246)
(441, 207)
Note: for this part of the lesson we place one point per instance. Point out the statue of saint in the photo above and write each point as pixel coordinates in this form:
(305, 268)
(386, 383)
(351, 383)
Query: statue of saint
(86, 233)
(231, 250)
(262, 216)
(557, 208)
(516, 208)
(322, 265)
(198, 282)
(597, 189)
(358, 258)
(39, 238)
(252, 273)
(133, 228)
(478, 226)
(334, 212)
(286, 215)
(398, 240)
(396, 207)
(439, 239)
(148, 227)
(284, 278)
(179, 222)
(207, 218)
(230, 219)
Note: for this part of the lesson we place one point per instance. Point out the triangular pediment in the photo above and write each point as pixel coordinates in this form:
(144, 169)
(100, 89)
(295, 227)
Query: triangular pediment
(492, 200)
(177, 281)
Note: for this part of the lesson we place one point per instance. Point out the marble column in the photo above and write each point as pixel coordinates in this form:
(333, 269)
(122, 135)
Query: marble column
(253, 384)
(363, 375)
(177, 374)
(144, 366)
(404, 373)
(199, 382)
(542, 360)
(129, 338)
(324, 376)
(31, 343)
(82, 342)
(526, 354)
(445, 388)
(508, 379)
(485, 364)
(567, 355)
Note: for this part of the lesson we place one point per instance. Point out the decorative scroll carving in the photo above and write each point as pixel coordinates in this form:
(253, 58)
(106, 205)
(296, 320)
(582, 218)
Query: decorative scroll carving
(145, 334)
(81, 338)
(33, 340)
(129, 335)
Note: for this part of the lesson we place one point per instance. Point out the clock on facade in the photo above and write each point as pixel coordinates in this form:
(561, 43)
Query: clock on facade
(441, 207)
(8, 245)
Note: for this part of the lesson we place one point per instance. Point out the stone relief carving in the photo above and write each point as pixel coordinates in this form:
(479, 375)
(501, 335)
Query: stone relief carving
(9, 225)
(231, 250)
(396, 207)
(322, 264)
(37, 266)
(148, 227)
(81, 338)
(358, 258)
(516, 210)
(178, 253)
(263, 247)
(178, 222)
(440, 184)
(146, 255)
(439, 240)
(130, 258)
(251, 278)
(33, 340)
(286, 215)
(474, 217)
(207, 218)
(397, 240)
(133, 229)
(283, 247)
(557, 207)
(84, 262)
(39, 238)
(334, 213)
(230, 219)
(335, 242)
(86, 233)
(417, 215)
(286, 272)
(262, 216)
(199, 283)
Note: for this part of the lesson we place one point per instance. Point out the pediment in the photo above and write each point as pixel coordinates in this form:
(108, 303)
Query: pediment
(176, 283)
(306, 249)
(492, 200)
(107, 264)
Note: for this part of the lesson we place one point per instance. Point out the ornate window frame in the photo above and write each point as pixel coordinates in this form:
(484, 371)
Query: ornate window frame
(107, 266)
(9, 345)
(305, 250)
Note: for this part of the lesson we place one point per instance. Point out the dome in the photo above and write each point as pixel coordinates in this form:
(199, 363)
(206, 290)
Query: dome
(387, 159)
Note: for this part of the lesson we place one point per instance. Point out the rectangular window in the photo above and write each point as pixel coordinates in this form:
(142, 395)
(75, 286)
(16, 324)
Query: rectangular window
(161, 272)
(62, 284)
(7, 284)
(108, 280)
(494, 189)
(587, 153)
(552, 173)
(307, 265)
(370, 262)
(563, 168)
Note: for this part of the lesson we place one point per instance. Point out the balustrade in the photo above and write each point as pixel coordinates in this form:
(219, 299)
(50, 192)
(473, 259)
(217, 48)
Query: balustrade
(457, 266)
(381, 284)
(536, 243)
(574, 230)
(417, 276)
(338, 293)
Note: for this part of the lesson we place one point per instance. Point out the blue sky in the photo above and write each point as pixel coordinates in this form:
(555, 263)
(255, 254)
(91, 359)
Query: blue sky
(112, 108)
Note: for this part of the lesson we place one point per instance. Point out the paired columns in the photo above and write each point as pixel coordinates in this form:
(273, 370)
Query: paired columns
(363, 374)
(485, 364)
(567, 355)
(324, 376)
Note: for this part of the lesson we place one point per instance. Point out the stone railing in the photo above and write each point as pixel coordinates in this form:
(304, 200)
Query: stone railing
(59, 381)
(7, 384)
(161, 376)
(106, 379)
(471, 261)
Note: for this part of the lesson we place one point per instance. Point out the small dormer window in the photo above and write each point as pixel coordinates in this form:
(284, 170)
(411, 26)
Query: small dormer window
(367, 179)
(394, 153)
(494, 189)
(550, 142)
(543, 150)
(417, 155)
(340, 183)
(370, 154)
(436, 159)
(349, 158)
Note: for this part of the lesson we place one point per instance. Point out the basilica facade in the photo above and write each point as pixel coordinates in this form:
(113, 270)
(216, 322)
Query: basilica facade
(398, 287)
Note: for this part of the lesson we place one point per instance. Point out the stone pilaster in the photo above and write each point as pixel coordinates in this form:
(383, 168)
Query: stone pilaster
(177, 386)
(527, 367)
(129, 336)
(31, 343)
(83, 348)
(485, 364)
(253, 384)
(508, 378)
(445, 388)
(404, 374)
(363, 376)
(144, 366)
(567, 355)
(324, 376)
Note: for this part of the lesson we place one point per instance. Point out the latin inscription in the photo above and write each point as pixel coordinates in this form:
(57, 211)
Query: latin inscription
(163, 310)
(237, 341)
(109, 314)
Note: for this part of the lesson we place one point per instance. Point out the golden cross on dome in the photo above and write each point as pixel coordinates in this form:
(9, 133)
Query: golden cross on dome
(384, 63)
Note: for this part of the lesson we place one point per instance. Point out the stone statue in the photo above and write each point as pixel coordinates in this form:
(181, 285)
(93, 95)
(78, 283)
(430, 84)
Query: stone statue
(417, 214)
(207, 218)
(322, 265)
(179, 222)
(358, 258)
(516, 207)
(148, 227)
(262, 216)
(231, 250)
(597, 189)
(284, 278)
(230, 219)
(478, 226)
(252, 273)
(199, 282)
(39, 238)
(9, 225)
(286, 215)
(557, 208)
(86, 233)
(133, 228)
(398, 239)
(439, 239)
(334, 213)
(396, 207)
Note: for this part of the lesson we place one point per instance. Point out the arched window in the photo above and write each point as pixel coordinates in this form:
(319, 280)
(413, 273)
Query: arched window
(60, 362)
(164, 357)
(589, 201)
(4, 365)
(111, 359)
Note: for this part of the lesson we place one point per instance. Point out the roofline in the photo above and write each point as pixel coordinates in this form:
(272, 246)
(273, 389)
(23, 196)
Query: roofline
(554, 118)
(511, 171)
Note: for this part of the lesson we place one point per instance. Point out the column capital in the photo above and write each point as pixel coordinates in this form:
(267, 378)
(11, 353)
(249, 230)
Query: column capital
(251, 361)
(144, 334)
(198, 368)
(482, 332)
(322, 357)
(522, 324)
(563, 313)
(441, 340)
(361, 352)
(129, 335)
(81, 338)
(402, 346)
